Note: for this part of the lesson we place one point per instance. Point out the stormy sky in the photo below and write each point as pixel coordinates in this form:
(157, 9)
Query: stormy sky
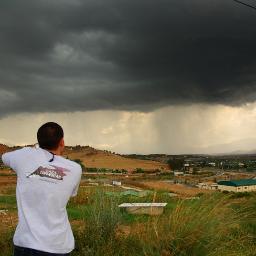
(175, 64)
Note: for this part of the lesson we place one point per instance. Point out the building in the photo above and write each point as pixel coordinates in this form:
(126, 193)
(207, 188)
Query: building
(116, 183)
(246, 185)
(178, 173)
(209, 186)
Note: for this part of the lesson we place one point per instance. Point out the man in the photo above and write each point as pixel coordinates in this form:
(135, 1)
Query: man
(45, 182)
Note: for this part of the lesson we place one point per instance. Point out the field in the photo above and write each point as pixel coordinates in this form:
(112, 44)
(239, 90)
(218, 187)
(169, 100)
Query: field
(160, 185)
(212, 224)
(93, 158)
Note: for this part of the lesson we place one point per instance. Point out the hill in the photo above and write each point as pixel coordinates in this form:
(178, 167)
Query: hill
(4, 148)
(94, 158)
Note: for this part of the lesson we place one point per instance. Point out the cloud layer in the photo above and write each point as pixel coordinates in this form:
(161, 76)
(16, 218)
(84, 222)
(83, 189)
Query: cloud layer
(64, 56)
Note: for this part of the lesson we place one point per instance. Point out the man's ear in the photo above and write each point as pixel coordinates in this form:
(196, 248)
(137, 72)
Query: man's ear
(62, 142)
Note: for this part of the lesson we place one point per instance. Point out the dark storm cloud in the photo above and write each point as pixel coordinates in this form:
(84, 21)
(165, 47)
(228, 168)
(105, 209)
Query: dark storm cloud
(125, 54)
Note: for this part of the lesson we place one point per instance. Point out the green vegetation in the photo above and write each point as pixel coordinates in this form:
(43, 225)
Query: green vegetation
(123, 171)
(139, 170)
(105, 170)
(6, 243)
(216, 224)
(7, 202)
(8, 174)
(176, 163)
(8, 199)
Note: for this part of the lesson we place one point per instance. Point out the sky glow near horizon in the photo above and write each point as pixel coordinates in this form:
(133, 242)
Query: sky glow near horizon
(171, 130)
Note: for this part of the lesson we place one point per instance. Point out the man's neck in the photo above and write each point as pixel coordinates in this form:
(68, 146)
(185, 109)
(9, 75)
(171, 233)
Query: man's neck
(55, 151)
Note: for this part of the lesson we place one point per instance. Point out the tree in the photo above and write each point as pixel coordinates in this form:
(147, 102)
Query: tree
(175, 163)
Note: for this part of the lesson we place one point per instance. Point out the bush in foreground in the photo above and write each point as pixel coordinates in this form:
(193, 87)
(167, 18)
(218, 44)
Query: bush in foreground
(208, 226)
(213, 225)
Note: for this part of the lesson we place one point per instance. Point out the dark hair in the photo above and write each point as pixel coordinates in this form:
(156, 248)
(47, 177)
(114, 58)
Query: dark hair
(49, 135)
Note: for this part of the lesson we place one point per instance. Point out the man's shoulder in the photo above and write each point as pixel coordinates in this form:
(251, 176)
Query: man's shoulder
(71, 163)
(18, 151)
(13, 157)
(22, 149)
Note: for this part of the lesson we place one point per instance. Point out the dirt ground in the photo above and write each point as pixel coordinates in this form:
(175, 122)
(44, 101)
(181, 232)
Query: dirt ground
(175, 188)
(8, 220)
(101, 159)
(7, 180)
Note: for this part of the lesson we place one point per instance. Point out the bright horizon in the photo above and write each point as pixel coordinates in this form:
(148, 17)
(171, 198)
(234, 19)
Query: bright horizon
(196, 129)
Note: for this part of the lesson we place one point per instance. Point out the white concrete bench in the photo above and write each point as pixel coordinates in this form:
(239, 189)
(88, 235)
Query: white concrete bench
(144, 208)
(4, 212)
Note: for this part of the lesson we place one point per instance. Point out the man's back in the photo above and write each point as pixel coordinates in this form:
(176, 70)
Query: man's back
(44, 185)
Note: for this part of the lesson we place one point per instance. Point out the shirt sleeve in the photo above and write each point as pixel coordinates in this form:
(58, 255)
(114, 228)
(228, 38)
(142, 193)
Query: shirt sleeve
(10, 158)
(75, 190)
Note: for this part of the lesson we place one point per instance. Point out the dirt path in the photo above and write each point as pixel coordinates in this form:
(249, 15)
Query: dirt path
(176, 188)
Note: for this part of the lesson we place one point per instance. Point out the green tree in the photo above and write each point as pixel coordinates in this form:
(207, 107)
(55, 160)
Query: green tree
(175, 163)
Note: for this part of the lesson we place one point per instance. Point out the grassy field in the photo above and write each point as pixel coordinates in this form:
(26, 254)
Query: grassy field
(215, 224)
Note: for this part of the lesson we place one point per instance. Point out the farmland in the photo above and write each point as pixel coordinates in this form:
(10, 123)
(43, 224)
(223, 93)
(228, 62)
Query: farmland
(211, 223)
(195, 221)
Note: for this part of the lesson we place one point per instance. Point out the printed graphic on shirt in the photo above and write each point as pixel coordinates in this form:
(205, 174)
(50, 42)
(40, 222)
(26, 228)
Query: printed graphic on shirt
(56, 172)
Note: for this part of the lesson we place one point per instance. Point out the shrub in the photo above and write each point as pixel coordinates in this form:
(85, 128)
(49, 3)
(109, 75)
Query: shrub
(139, 170)
(200, 227)
(102, 218)
(6, 243)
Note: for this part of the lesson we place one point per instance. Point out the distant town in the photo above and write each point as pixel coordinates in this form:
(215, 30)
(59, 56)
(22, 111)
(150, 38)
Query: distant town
(236, 173)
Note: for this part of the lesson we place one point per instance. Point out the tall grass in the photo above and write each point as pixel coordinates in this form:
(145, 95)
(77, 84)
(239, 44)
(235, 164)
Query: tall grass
(214, 225)
(101, 220)
(100, 234)
(6, 243)
(208, 226)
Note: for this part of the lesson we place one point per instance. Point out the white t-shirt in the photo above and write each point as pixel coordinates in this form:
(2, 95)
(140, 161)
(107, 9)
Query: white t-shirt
(42, 192)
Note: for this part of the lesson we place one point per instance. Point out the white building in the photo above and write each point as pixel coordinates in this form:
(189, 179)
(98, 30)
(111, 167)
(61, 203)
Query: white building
(209, 186)
(116, 183)
(178, 173)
